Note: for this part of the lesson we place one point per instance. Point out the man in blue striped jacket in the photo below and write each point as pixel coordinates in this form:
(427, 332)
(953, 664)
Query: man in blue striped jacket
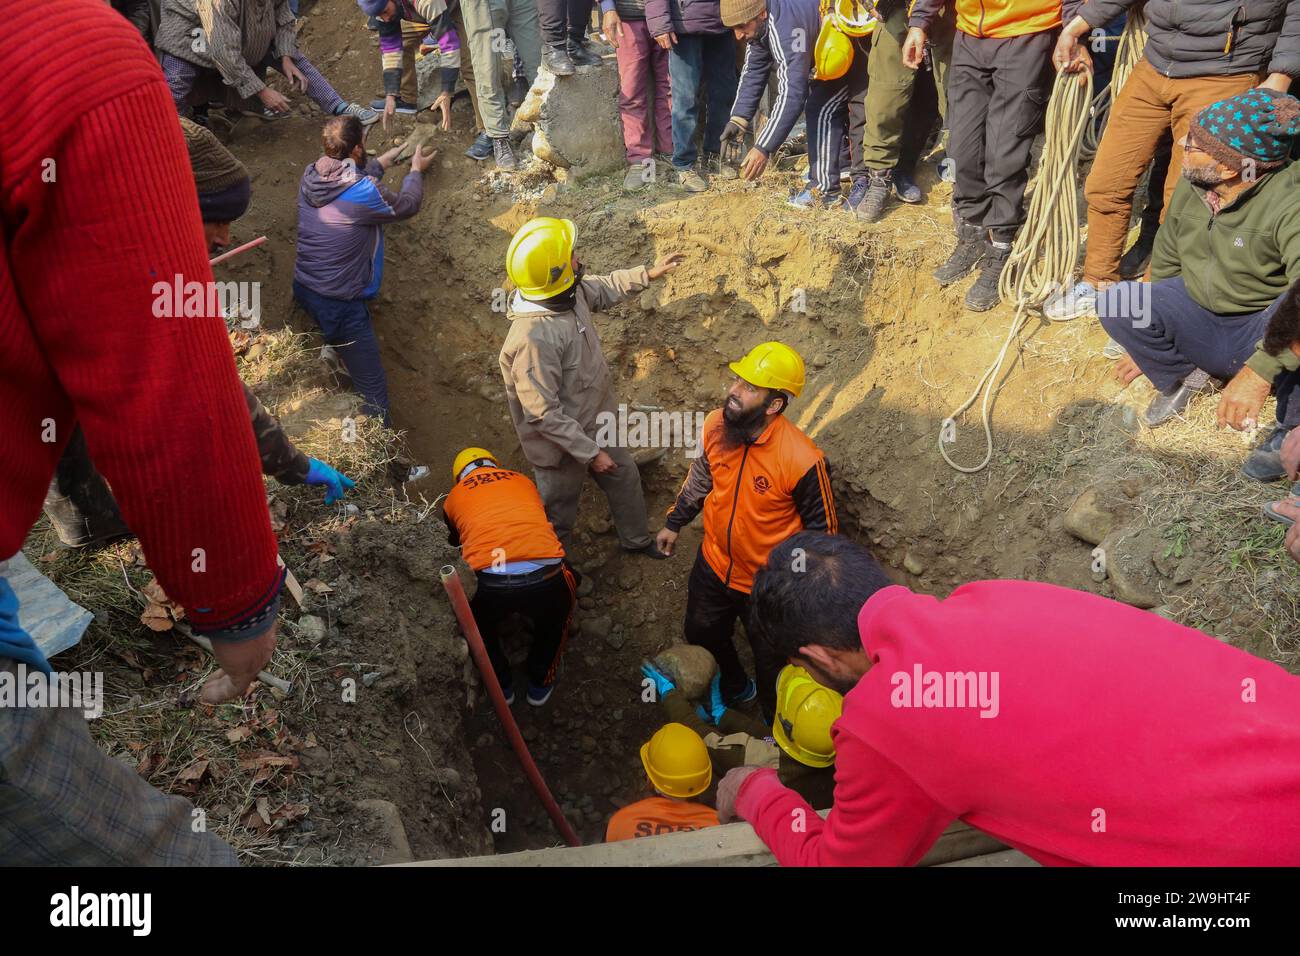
(781, 35)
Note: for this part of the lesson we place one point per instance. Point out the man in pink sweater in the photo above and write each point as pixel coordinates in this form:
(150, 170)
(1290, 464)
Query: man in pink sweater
(1073, 728)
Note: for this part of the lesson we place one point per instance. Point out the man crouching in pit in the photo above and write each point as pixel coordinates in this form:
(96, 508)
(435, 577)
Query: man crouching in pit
(1076, 729)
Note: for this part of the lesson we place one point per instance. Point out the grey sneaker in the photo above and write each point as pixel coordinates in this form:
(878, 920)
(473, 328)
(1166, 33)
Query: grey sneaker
(1265, 462)
(639, 175)
(504, 155)
(879, 185)
(1169, 405)
(363, 113)
(690, 180)
(1073, 303)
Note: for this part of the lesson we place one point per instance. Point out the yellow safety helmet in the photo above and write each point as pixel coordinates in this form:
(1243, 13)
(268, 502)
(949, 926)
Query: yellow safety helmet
(853, 17)
(772, 365)
(540, 258)
(833, 53)
(805, 711)
(677, 762)
(466, 457)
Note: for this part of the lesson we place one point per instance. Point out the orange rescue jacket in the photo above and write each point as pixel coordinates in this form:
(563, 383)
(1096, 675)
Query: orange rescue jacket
(654, 816)
(754, 497)
(997, 19)
(495, 513)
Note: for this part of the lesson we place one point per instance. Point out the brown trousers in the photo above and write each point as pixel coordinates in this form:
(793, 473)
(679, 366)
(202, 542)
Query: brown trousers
(1148, 105)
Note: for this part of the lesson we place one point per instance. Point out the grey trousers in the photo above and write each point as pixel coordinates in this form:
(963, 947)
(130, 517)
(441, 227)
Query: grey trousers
(487, 24)
(561, 487)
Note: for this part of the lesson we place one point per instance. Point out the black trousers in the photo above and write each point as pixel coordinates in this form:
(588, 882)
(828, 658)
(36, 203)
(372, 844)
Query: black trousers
(997, 102)
(548, 605)
(562, 19)
(712, 609)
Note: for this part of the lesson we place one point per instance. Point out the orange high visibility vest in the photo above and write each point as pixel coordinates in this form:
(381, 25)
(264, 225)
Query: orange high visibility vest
(655, 816)
(500, 517)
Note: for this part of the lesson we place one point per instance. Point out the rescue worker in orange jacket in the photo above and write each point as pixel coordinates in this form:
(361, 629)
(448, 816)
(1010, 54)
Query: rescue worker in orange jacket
(497, 519)
(999, 82)
(677, 763)
(758, 479)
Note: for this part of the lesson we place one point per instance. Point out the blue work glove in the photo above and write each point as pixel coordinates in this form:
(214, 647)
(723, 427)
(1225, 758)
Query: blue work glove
(716, 708)
(663, 683)
(336, 483)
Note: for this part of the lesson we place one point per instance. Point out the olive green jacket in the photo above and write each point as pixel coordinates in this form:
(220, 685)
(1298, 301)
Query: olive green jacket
(1240, 260)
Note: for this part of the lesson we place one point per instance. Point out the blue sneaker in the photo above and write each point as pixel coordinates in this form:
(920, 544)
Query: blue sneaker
(1076, 302)
(745, 696)
(481, 148)
(905, 187)
(509, 691)
(856, 192)
(810, 199)
(537, 696)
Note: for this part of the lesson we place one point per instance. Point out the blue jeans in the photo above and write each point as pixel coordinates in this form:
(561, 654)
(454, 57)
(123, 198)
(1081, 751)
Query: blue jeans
(1169, 334)
(345, 324)
(708, 59)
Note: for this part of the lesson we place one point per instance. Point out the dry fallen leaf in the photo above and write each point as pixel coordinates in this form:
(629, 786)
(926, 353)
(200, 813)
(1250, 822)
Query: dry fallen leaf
(193, 773)
(156, 618)
(236, 734)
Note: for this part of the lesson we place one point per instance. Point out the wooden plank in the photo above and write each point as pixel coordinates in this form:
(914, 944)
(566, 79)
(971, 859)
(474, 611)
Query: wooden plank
(735, 844)
(1001, 858)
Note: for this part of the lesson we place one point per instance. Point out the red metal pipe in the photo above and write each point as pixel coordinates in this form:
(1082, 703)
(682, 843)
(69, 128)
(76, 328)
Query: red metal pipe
(252, 244)
(459, 604)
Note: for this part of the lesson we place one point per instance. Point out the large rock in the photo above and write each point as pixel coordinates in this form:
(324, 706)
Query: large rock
(1097, 512)
(575, 119)
(388, 821)
(1129, 567)
(691, 668)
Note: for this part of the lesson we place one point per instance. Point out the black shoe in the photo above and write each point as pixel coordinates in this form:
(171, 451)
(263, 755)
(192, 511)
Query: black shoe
(481, 148)
(651, 550)
(966, 256)
(583, 55)
(872, 207)
(1166, 406)
(518, 92)
(557, 61)
(984, 295)
(1265, 462)
(404, 107)
(505, 156)
(1133, 264)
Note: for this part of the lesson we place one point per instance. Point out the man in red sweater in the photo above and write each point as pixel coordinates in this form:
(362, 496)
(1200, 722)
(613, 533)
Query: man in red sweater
(97, 204)
(1078, 730)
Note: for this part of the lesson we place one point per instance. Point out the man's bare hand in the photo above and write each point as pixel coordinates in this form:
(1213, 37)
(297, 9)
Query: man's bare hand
(667, 40)
(422, 160)
(1126, 370)
(293, 73)
(240, 661)
(914, 48)
(1241, 401)
(602, 464)
(754, 164)
(443, 105)
(273, 101)
(666, 540)
(667, 264)
(390, 109)
(611, 24)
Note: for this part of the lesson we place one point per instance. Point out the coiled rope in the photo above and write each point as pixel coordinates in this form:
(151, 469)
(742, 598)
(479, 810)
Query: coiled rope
(1045, 252)
(1131, 44)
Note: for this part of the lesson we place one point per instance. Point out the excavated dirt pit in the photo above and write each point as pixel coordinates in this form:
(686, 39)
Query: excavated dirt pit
(889, 355)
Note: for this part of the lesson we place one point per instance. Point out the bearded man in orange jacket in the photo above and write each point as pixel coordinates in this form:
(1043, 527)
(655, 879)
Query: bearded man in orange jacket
(758, 479)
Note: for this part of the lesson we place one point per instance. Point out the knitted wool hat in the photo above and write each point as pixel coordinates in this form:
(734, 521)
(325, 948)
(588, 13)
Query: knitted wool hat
(1258, 125)
(736, 12)
(221, 180)
(372, 8)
